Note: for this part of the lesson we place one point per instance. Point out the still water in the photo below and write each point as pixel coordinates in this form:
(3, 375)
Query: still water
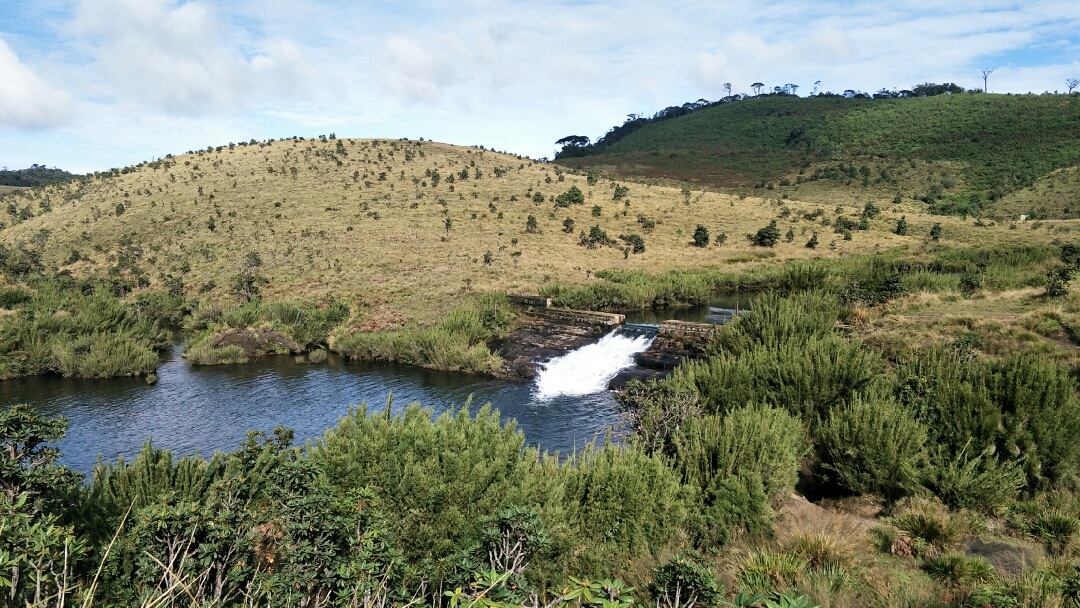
(204, 409)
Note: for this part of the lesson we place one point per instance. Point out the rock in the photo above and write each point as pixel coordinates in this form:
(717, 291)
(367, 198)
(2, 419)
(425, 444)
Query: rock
(257, 342)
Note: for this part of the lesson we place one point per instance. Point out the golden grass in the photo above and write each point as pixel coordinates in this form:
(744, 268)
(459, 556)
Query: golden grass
(317, 232)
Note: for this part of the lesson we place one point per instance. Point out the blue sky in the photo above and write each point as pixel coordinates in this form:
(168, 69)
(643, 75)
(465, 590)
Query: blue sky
(92, 84)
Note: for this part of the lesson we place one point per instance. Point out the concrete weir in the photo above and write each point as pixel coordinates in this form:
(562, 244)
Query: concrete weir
(553, 332)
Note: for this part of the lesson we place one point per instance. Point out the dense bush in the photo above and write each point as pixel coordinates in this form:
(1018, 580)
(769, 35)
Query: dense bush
(871, 445)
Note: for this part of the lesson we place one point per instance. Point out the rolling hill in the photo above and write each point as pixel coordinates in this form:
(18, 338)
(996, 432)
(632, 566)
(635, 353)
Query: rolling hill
(960, 153)
(368, 219)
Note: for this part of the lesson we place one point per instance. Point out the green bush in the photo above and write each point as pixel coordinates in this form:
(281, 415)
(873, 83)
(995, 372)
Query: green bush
(872, 445)
(701, 236)
(767, 236)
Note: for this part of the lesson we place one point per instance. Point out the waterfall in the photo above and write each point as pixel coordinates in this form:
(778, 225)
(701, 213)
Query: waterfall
(589, 369)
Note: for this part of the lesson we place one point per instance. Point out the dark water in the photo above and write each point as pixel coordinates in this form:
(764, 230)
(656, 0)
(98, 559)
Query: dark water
(719, 311)
(203, 409)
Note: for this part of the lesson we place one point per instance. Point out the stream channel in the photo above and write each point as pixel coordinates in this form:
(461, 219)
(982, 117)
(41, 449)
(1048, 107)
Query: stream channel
(203, 409)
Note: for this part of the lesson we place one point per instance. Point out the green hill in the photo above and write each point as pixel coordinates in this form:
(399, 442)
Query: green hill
(36, 175)
(991, 146)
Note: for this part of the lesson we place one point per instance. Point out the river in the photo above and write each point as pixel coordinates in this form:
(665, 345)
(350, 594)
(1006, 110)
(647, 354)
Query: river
(204, 409)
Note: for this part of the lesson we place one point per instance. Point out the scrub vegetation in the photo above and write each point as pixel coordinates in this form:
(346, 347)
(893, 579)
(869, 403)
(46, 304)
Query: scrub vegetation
(895, 422)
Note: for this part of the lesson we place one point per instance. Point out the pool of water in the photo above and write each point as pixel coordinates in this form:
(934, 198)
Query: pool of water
(203, 409)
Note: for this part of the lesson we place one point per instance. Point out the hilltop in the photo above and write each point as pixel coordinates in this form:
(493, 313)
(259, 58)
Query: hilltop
(367, 219)
(954, 153)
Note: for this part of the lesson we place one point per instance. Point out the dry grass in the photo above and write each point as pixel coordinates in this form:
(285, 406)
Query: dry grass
(317, 231)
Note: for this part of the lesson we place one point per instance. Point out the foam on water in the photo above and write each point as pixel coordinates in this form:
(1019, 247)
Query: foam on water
(589, 369)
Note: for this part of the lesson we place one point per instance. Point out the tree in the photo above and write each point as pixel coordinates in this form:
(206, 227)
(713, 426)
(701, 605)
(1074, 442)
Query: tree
(573, 196)
(757, 86)
(573, 141)
(246, 282)
(1058, 279)
(686, 194)
(817, 88)
(596, 210)
(767, 236)
(721, 239)
(935, 232)
(28, 462)
(901, 226)
(727, 89)
(790, 236)
(1072, 82)
(568, 225)
(530, 224)
(448, 224)
(813, 242)
(701, 236)
(986, 74)
(790, 88)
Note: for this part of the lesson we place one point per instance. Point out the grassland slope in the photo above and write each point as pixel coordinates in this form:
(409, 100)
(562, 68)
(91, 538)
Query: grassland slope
(993, 144)
(381, 221)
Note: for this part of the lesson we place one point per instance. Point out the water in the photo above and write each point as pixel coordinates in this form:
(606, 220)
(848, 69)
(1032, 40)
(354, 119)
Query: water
(588, 370)
(203, 409)
(718, 311)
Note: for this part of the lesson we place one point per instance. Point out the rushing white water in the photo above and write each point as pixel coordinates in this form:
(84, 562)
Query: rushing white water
(589, 369)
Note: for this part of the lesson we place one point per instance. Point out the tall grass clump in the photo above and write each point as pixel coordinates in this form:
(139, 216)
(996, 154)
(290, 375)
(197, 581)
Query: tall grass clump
(457, 343)
(205, 353)
(84, 331)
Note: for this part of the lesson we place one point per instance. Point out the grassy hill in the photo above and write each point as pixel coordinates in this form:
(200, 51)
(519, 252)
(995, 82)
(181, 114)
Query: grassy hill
(365, 219)
(959, 153)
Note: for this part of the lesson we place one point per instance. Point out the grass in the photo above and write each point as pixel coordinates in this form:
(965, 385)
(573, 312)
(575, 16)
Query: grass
(957, 145)
(317, 232)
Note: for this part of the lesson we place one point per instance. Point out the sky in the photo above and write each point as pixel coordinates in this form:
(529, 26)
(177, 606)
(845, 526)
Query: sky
(89, 85)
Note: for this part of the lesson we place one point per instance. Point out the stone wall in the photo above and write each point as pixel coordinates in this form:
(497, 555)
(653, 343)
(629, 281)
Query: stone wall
(530, 301)
(687, 329)
(584, 317)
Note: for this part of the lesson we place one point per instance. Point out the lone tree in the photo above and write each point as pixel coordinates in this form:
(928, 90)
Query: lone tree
(727, 89)
(812, 243)
(246, 282)
(986, 74)
(767, 236)
(568, 225)
(935, 232)
(757, 86)
(448, 224)
(530, 224)
(1072, 82)
(573, 141)
(901, 226)
(701, 236)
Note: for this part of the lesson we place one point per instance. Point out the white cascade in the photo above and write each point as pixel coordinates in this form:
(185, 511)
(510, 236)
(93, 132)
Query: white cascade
(589, 369)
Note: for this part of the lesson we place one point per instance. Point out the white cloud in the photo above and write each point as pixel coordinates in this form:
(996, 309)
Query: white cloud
(182, 57)
(27, 101)
(415, 72)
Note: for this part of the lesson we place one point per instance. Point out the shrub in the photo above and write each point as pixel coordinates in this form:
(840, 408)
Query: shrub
(790, 236)
(568, 225)
(1058, 279)
(686, 581)
(767, 236)
(573, 196)
(813, 242)
(721, 239)
(537, 197)
(977, 482)
(701, 236)
(596, 211)
(870, 210)
(901, 226)
(595, 238)
(871, 445)
(765, 571)
(935, 232)
(635, 241)
(530, 224)
(655, 411)
(762, 440)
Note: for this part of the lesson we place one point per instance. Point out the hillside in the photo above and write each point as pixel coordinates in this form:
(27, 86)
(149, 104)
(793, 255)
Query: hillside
(956, 153)
(366, 219)
(36, 175)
